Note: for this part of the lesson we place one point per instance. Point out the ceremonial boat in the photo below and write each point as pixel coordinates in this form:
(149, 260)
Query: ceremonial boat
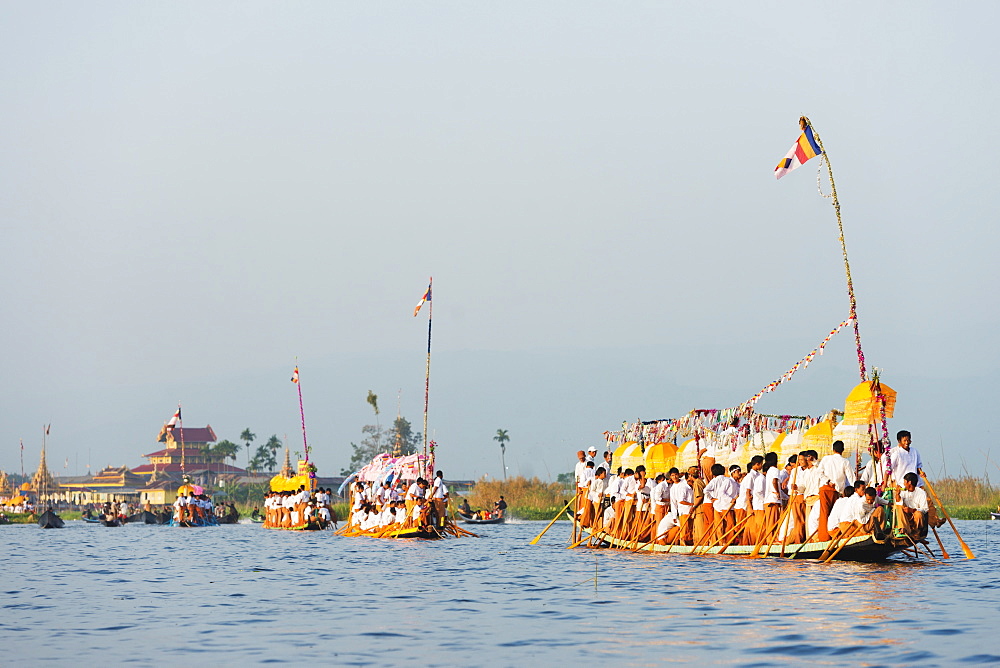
(197, 511)
(144, 517)
(707, 442)
(293, 504)
(49, 520)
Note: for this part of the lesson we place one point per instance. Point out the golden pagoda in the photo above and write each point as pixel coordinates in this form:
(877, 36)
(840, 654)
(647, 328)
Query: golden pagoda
(5, 489)
(42, 482)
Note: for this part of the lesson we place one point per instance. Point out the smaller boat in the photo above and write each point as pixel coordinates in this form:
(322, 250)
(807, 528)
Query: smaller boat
(995, 516)
(143, 517)
(475, 519)
(49, 520)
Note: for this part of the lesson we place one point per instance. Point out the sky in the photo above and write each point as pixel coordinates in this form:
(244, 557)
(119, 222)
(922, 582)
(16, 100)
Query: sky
(194, 195)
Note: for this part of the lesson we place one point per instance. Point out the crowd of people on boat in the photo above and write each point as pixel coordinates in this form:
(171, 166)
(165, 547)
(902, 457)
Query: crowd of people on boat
(393, 506)
(299, 509)
(190, 508)
(808, 498)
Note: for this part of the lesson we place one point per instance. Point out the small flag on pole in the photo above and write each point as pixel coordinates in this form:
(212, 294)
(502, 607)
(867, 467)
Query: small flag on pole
(805, 148)
(295, 375)
(47, 428)
(425, 298)
(173, 421)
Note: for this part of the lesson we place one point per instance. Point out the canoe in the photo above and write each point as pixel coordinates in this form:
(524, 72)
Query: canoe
(229, 518)
(143, 517)
(474, 520)
(860, 548)
(49, 520)
(995, 516)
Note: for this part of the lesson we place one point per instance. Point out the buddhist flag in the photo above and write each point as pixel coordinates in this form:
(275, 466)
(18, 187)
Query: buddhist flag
(425, 298)
(295, 375)
(174, 420)
(805, 148)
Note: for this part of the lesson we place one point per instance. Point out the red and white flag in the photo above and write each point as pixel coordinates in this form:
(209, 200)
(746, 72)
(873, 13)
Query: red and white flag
(174, 420)
(295, 375)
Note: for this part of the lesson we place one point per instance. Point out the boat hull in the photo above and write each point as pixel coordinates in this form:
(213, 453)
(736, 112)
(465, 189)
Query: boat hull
(860, 548)
(49, 520)
(472, 520)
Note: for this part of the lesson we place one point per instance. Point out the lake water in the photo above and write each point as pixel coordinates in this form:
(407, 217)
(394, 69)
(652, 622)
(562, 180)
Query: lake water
(232, 595)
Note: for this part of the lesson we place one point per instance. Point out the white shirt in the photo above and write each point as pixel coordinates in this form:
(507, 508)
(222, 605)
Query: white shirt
(578, 471)
(837, 512)
(627, 488)
(903, 462)
(745, 484)
(681, 498)
(771, 479)
(614, 486)
(597, 487)
(661, 493)
(440, 489)
(757, 490)
(720, 492)
(917, 499)
(835, 470)
(874, 473)
(586, 478)
(809, 481)
(415, 491)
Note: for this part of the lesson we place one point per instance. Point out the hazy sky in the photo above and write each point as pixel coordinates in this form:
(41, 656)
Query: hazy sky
(193, 194)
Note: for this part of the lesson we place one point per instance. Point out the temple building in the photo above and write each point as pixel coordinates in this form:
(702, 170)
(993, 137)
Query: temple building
(187, 452)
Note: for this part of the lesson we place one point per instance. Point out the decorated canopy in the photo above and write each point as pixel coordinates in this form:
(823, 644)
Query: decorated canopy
(863, 406)
(660, 458)
(386, 467)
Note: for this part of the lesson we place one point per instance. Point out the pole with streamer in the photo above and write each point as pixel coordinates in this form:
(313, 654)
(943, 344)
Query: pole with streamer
(427, 376)
(302, 412)
(804, 122)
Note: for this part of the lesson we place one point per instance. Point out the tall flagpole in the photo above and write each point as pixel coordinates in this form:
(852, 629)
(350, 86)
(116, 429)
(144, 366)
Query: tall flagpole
(427, 376)
(804, 122)
(302, 412)
(180, 425)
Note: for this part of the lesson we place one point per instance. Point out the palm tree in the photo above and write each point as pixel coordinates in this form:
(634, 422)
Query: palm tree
(502, 438)
(373, 401)
(226, 450)
(247, 437)
(274, 444)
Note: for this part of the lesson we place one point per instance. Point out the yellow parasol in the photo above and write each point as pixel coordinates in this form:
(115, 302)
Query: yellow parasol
(862, 404)
(659, 458)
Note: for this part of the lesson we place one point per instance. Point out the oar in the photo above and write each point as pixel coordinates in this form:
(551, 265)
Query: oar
(681, 528)
(965, 548)
(536, 538)
(735, 531)
(711, 529)
(849, 535)
(807, 540)
(944, 552)
(773, 532)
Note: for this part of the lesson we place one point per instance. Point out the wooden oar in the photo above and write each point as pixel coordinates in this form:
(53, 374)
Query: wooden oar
(681, 528)
(944, 552)
(965, 548)
(735, 531)
(807, 540)
(773, 532)
(535, 540)
(582, 541)
(849, 535)
(715, 525)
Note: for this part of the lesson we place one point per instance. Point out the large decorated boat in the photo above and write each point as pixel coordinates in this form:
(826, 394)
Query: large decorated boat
(391, 498)
(734, 481)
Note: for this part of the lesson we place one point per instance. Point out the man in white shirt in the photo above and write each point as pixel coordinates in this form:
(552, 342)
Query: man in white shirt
(722, 492)
(914, 506)
(579, 473)
(595, 496)
(834, 474)
(660, 498)
(874, 473)
(439, 493)
(904, 459)
(755, 501)
(682, 498)
(606, 464)
(592, 455)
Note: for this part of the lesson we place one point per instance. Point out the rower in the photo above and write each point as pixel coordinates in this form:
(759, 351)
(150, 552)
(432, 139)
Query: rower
(913, 502)
(440, 495)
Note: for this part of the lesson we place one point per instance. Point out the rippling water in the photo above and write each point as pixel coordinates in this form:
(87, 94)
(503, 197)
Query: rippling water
(230, 595)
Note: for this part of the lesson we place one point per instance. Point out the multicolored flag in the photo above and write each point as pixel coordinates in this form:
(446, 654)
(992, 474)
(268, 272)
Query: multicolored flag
(805, 148)
(425, 298)
(295, 375)
(174, 420)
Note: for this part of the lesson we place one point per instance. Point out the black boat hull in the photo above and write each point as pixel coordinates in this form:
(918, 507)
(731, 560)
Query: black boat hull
(49, 520)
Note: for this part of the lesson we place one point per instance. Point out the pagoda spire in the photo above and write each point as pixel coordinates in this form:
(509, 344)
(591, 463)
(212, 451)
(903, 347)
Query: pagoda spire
(286, 470)
(42, 481)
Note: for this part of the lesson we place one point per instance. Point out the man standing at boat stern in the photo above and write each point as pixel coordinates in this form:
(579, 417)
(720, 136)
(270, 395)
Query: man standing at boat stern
(834, 475)
(440, 496)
